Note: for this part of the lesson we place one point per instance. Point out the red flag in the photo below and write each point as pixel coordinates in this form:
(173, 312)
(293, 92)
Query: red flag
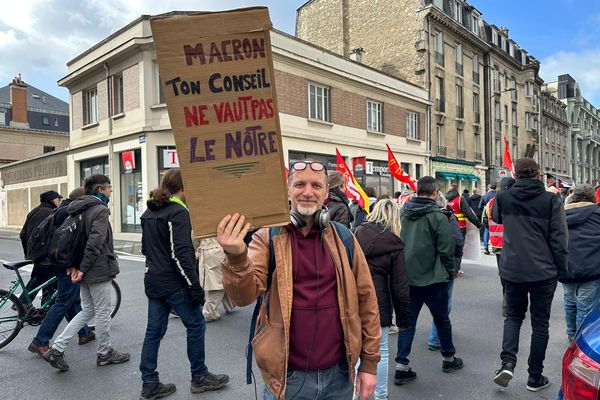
(287, 172)
(507, 159)
(398, 173)
(353, 188)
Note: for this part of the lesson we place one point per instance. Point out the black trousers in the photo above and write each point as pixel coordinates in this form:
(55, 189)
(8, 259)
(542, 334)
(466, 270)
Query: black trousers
(540, 294)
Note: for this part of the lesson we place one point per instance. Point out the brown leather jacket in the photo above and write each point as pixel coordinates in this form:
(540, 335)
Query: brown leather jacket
(245, 278)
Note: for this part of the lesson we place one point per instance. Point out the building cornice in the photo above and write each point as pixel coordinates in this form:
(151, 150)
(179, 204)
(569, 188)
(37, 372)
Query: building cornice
(456, 28)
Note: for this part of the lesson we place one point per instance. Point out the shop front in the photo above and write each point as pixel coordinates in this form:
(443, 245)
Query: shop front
(455, 172)
(560, 181)
(132, 190)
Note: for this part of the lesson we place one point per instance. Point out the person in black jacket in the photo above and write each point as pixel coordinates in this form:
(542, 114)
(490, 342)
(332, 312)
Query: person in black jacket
(379, 238)
(473, 202)
(338, 203)
(42, 271)
(67, 304)
(95, 273)
(171, 282)
(533, 254)
(581, 280)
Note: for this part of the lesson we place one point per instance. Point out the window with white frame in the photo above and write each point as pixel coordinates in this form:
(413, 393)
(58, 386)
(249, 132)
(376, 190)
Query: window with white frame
(523, 58)
(118, 95)
(459, 59)
(527, 121)
(159, 92)
(460, 139)
(503, 42)
(440, 135)
(374, 116)
(475, 24)
(494, 37)
(477, 142)
(2, 117)
(318, 102)
(439, 48)
(412, 125)
(90, 98)
(458, 14)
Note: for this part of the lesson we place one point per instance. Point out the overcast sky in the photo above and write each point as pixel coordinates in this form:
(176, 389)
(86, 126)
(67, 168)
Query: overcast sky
(38, 37)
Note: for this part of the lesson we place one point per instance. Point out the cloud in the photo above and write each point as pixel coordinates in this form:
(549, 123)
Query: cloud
(583, 65)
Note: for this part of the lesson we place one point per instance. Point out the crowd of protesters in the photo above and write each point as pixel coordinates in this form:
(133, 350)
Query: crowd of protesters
(333, 284)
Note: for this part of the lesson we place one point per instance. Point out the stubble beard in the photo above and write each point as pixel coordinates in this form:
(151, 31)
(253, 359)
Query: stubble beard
(307, 211)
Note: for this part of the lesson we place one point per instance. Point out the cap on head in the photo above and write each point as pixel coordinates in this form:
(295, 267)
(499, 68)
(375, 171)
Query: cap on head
(526, 168)
(584, 193)
(50, 195)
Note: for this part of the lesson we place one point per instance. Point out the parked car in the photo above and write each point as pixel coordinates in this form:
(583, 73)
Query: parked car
(581, 363)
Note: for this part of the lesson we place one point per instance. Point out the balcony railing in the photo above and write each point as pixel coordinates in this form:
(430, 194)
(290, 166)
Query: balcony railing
(461, 153)
(439, 58)
(442, 150)
(459, 68)
(476, 77)
(476, 117)
(440, 105)
(478, 156)
(460, 112)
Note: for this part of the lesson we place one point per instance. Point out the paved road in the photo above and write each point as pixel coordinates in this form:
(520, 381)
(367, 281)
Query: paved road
(476, 319)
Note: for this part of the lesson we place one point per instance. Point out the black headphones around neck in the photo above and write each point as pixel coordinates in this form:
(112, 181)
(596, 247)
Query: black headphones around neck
(321, 219)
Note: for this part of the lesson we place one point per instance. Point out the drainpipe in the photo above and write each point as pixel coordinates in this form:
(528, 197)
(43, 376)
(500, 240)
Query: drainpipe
(488, 136)
(429, 107)
(112, 175)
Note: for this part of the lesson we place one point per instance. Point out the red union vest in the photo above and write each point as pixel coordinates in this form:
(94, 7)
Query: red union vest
(455, 206)
(496, 230)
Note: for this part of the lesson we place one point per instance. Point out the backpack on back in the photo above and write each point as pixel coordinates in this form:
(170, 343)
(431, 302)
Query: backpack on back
(68, 242)
(39, 241)
(348, 240)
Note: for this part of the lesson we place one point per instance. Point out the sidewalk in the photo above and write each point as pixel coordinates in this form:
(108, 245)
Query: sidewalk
(125, 246)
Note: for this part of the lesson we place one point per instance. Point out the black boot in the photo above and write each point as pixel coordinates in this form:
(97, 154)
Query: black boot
(156, 390)
(208, 382)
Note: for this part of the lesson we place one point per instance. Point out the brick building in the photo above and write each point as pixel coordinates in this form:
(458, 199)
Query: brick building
(447, 48)
(325, 101)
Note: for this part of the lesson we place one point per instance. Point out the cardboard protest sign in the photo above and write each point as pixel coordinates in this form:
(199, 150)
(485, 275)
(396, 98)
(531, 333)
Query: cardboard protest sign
(218, 78)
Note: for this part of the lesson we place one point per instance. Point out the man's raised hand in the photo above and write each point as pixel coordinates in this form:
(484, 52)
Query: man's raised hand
(231, 232)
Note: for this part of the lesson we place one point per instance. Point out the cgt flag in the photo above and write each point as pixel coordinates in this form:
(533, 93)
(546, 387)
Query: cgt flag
(507, 159)
(398, 173)
(353, 189)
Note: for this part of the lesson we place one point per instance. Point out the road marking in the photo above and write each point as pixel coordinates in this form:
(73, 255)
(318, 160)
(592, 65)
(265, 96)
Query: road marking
(132, 258)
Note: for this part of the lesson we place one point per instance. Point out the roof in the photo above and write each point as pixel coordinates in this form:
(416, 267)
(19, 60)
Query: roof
(37, 98)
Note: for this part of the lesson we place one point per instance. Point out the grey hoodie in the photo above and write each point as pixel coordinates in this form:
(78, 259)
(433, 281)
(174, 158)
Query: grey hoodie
(99, 262)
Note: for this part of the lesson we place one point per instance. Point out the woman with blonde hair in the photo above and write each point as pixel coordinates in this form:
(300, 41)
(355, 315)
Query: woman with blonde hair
(379, 238)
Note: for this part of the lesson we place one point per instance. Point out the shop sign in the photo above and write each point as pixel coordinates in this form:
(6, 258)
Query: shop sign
(128, 160)
(219, 83)
(373, 168)
(359, 164)
(170, 158)
(438, 166)
(36, 169)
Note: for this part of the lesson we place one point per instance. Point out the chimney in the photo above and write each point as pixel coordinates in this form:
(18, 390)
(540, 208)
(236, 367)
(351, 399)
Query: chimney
(18, 100)
(357, 54)
(504, 31)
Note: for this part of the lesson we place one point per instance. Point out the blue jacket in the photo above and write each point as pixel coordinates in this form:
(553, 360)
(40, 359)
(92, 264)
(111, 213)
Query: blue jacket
(583, 220)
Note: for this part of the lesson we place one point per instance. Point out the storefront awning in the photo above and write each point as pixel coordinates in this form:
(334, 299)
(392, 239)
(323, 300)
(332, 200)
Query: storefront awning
(447, 175)
(566, 181)
(468, 177)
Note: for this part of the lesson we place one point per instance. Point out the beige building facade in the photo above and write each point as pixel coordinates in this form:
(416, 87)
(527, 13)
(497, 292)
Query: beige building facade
(120, 125)
(447, 48)
(555, 160)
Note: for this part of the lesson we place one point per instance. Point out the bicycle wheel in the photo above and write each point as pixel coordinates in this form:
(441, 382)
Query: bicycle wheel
(115, 300)
(10, 324)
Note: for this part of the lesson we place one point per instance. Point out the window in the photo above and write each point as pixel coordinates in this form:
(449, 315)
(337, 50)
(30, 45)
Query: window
(318, 102)
(56, 122)
(523, 58)
(460, 110)
(439, 48)
(527, 121)
(458, 15)
(48, 149)
(160, 94)
(498, 149)
(2, 117)
(117, 93)
(476, 68)
(476, 114)
(459, 59)
(514, 117)
(494, 37)
(439, 94)
(475, 24)
(529, 88)
(412, 125)
(515, 150)
(418, 171)
(460, 139)
(374, 116)
(440, 135)
(511, 50)
(506, 114)
(477, 142)
(503, 42)
(45, 120)
(90, 97)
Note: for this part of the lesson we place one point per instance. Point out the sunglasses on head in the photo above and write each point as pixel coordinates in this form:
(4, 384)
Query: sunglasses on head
(314, 165)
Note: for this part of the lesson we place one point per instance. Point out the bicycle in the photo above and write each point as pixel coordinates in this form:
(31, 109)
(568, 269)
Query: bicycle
(15, 314)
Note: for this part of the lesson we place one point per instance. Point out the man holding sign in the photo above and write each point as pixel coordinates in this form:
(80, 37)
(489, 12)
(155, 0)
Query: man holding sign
(320, 314)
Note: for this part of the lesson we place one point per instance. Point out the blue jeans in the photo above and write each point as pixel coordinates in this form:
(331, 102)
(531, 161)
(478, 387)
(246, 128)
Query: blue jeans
(327, 384)
(158, 320)
(67, 305)
(433, 339)
(486, 238)
(381, 390)
(435, 297)
(580, 298)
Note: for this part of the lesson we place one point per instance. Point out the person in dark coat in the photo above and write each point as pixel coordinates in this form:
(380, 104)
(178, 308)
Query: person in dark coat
(67, 304)
(338, 203)
(581, 280)
(360, 213)
(42, 270)
(465, 194)
(473, 202)
(95, 273)
(379, 238)
(171, 282)
(534, 252)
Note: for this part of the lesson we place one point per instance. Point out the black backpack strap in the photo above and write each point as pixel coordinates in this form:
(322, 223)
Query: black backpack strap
(348, 240)
(272, 232)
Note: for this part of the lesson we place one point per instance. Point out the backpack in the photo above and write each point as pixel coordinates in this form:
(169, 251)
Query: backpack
(348, 240)
(68, 242)
(38, 243)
